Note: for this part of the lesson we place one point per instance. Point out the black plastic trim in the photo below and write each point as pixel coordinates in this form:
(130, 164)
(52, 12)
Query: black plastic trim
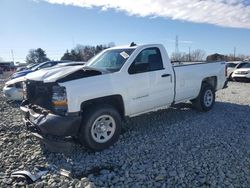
(51, 124)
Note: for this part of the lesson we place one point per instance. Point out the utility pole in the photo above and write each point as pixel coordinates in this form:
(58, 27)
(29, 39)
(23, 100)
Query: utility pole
(177, 44)
(12, 55)
(177, 55)
(189, 54)
(234, 53)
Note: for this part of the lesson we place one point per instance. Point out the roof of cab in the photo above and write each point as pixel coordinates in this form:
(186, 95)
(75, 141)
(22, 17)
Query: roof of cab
(131, 47)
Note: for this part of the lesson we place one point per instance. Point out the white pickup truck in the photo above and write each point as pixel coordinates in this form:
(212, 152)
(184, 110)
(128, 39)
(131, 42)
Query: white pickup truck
(89, 102)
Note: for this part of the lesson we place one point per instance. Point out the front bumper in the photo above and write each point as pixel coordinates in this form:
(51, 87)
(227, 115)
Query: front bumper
(235, 75)
(241, 77)
(47, 124)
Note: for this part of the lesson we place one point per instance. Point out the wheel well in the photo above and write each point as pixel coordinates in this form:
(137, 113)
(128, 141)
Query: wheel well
(211, 81)
(114, 100)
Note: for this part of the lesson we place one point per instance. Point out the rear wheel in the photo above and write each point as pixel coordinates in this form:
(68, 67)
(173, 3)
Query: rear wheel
(205, 100)
(100, 128)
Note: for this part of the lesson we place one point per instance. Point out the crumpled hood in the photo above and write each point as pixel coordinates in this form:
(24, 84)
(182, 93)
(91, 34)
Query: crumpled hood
(15, 80)
(53, 74)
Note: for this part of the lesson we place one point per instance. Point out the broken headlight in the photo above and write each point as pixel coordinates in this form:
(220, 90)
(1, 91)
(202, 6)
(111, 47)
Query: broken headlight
(59, 100)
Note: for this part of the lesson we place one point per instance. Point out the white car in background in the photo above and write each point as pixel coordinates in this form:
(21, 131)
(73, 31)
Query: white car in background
(231, 66)
(13, 89)
(242, 73)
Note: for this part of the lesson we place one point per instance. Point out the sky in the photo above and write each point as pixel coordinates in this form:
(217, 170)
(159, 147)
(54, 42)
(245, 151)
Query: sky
(216, 26)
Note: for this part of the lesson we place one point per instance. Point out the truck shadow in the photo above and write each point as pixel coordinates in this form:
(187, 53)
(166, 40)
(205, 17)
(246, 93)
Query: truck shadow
(166, 129)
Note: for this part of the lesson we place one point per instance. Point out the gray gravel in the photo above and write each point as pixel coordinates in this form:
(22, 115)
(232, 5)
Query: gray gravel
(178, 147)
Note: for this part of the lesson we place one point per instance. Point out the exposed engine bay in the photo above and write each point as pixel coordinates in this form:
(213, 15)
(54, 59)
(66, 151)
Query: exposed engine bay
(50, 95)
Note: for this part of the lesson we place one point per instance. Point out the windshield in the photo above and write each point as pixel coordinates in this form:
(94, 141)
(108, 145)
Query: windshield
(241, 65)
(44, 65)
(247, 65)
(111, 60)
(35, 67)
(231, 65)
(31, 65)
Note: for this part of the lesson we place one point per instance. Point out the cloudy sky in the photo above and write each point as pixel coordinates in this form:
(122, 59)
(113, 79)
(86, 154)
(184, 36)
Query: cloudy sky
(57, 25)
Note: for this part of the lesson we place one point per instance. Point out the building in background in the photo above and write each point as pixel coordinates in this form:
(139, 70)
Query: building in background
(7, 66)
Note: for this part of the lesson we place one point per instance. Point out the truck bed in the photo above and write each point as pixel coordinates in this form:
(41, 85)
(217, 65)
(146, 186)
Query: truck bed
(190, 75)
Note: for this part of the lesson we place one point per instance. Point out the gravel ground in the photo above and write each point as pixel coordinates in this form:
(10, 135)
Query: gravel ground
(177, 147)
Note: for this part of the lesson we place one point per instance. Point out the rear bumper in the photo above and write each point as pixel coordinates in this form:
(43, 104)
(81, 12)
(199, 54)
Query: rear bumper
(47, 124)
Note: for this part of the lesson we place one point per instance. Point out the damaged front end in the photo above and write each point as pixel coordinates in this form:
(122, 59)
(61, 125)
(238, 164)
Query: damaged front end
(45, 105)
(45, 110)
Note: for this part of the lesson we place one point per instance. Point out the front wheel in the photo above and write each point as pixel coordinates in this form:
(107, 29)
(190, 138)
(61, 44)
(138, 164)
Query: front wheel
(206, 99)
(100, 128)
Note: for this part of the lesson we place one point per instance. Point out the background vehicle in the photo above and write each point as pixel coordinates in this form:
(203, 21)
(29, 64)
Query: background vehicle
(242, 73)
(231, 66)
(21, 68)
(36, 67)
(90, 102)
(28, 67)
(7, 68)
(13, 89)
(240, 65)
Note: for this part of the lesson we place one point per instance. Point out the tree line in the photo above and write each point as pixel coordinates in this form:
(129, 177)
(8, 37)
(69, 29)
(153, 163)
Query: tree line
(78, 53)
(85, 53)
(195, 55)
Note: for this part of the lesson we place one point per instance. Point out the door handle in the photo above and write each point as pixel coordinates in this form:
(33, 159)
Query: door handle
(165, 75)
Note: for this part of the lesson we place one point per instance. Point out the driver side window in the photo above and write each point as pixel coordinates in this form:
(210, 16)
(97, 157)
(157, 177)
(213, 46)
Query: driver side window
(147, 60)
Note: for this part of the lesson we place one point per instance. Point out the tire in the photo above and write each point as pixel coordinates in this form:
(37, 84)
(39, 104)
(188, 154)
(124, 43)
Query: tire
(238, 79)
(101, 127)
(206, 99)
